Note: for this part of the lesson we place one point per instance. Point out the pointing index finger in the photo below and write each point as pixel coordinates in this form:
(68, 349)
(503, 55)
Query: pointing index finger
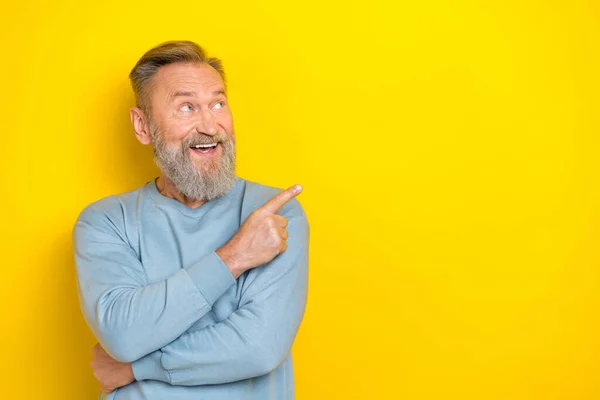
(275, 204)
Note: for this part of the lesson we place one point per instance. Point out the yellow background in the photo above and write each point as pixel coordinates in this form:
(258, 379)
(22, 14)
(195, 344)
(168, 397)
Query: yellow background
(449, 154)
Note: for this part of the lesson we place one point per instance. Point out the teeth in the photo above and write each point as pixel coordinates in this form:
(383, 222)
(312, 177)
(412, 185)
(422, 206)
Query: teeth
(204, 146)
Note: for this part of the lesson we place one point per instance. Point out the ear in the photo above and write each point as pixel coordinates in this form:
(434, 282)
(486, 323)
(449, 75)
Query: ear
(140, 125)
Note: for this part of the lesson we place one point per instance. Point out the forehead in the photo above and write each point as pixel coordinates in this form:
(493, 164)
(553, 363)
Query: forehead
(186, 76)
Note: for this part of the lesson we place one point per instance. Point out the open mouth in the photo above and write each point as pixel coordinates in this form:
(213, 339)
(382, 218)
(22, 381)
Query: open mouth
(205, 149)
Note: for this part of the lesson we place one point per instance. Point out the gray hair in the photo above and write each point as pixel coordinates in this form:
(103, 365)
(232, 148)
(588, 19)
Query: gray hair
(181, 51)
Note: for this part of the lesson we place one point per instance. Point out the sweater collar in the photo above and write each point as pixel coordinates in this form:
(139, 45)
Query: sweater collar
(152, 190)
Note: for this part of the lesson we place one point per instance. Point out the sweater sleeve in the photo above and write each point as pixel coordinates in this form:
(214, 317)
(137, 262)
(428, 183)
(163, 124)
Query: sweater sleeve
(255, 339)
(129, 317)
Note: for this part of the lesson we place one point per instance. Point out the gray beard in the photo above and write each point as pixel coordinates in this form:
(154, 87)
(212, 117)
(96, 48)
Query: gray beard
(215, 178)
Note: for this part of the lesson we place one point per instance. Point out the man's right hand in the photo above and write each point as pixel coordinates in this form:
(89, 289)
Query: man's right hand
(261, 237)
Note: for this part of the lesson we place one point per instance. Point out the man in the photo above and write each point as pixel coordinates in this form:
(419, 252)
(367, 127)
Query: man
(194, 284)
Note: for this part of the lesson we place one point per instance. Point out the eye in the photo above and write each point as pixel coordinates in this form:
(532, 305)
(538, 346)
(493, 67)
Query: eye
(219, 105)
(186, 108)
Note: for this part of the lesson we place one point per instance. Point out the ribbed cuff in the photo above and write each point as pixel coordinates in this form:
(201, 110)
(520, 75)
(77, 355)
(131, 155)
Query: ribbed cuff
(150, 368)
(211, 276)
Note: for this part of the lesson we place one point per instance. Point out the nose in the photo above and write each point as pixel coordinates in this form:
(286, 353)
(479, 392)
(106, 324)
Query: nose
(207, 123)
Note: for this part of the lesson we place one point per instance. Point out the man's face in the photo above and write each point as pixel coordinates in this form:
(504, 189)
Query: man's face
(192, 130)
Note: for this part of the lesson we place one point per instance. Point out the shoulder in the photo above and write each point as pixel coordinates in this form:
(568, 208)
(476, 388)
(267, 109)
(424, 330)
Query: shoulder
(256, 194)
(109, 213)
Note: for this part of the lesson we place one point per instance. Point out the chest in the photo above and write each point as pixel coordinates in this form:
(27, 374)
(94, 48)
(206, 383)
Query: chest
(168, 242)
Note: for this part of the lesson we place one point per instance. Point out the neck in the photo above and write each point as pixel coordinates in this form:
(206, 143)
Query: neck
(168, 189)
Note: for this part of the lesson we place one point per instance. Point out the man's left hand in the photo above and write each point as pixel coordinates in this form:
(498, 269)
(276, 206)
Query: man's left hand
(111, 374)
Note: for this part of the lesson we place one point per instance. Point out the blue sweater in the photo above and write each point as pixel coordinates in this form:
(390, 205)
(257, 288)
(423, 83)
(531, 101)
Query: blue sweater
(155, 293)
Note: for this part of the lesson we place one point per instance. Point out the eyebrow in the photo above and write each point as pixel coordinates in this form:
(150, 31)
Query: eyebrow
(187, 93)
(182, 93)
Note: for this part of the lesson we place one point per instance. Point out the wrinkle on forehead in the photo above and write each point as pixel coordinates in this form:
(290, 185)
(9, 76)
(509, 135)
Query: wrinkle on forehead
(202, 79)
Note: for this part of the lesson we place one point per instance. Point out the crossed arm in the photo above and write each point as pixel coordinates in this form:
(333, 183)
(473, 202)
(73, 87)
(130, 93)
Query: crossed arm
(148, 324)
(253, 340)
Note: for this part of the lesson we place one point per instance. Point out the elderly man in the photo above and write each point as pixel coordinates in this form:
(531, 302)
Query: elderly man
(195, 283)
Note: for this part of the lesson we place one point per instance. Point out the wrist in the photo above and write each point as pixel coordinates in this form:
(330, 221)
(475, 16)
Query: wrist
(150, 367)
(231, 261)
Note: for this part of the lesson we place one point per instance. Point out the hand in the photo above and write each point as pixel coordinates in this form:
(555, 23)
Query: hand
(261, 237)
(111, 374)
